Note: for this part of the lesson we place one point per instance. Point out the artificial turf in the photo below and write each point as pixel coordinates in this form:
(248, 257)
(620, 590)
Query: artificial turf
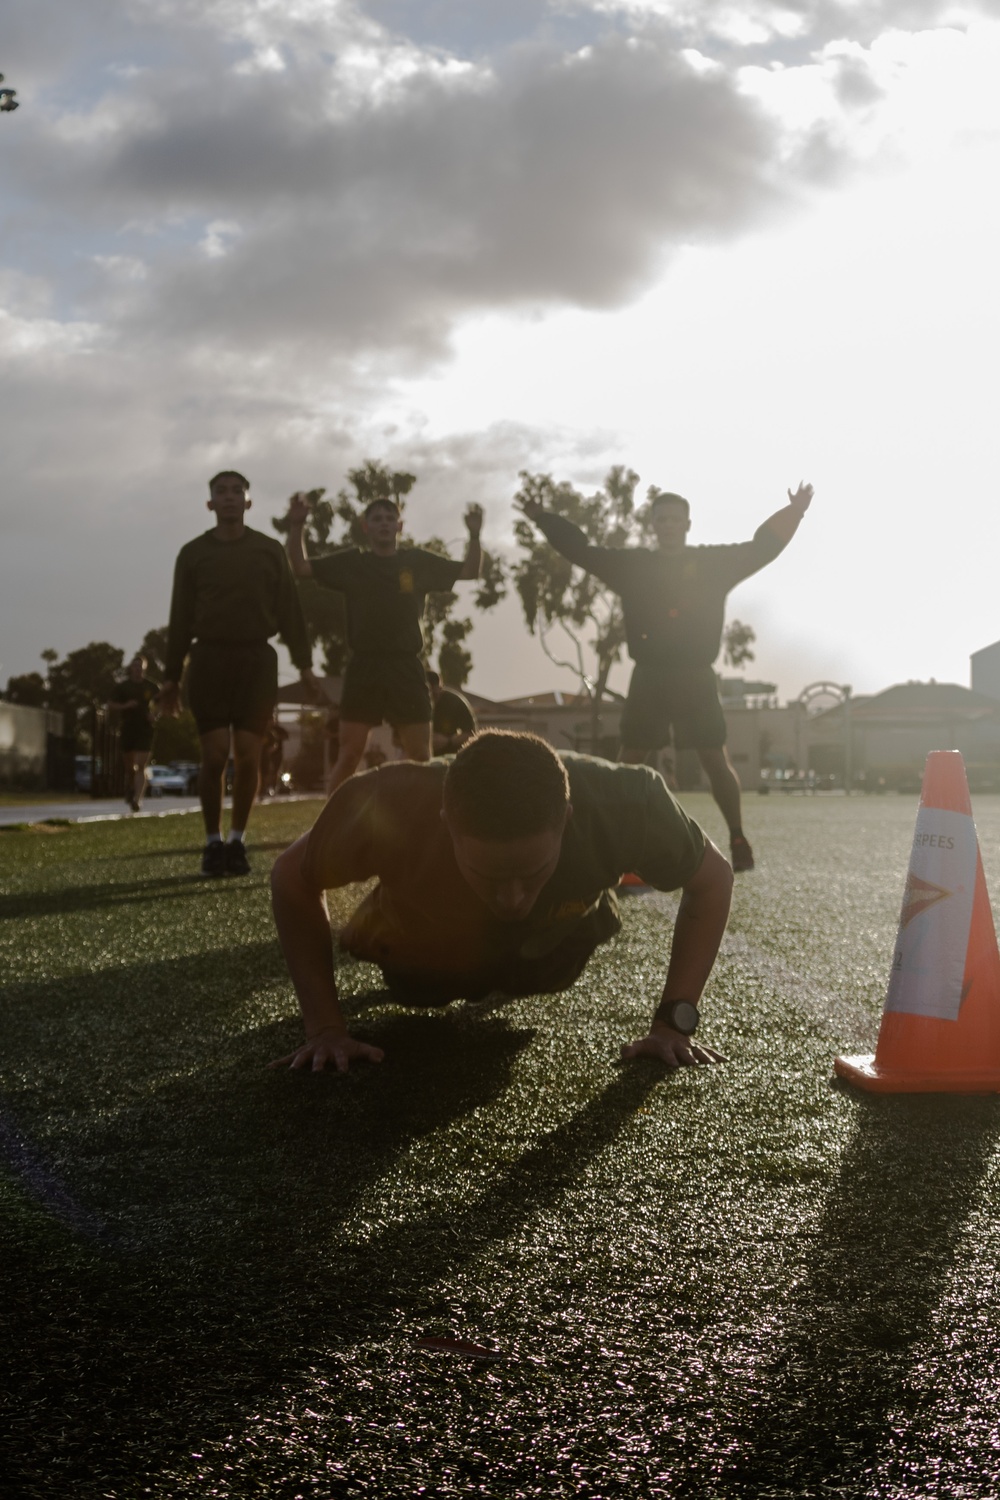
(737, 1281)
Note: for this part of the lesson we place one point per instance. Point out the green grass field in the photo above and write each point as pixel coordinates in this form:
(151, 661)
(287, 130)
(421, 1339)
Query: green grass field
(737, 1281)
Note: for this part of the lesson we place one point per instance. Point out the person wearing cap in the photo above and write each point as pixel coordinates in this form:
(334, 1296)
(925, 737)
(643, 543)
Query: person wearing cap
(233, 590)
(674, 600)
(494, 877)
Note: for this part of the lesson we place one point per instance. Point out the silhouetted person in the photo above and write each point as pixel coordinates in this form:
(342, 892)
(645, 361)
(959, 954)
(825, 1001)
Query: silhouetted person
(385, 588)
(233, 590)
(674, 600)
(133, 700)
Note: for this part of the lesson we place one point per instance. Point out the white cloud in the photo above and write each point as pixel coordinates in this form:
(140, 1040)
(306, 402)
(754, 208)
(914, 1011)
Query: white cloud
(217, 240)
(236, 229)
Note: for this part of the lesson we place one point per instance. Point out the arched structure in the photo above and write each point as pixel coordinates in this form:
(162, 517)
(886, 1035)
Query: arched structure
(819, 696)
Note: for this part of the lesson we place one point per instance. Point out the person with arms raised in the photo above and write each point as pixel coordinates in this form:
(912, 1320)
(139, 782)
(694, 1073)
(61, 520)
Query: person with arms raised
(674, 600)
(385, 587)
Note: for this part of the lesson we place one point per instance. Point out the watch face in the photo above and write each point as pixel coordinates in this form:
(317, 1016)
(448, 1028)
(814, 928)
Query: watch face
(684, 1017)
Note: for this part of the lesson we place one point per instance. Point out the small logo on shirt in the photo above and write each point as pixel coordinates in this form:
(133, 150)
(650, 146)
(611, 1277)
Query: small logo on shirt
(570, 909)
(406, 582)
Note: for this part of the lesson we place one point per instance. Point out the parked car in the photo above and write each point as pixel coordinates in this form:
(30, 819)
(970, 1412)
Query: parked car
(164, 779)
(189, 769)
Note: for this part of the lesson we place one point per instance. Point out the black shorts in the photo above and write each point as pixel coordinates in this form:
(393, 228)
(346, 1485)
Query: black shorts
(684, 699)
(391, 687)
(232, 686)
(133, 740)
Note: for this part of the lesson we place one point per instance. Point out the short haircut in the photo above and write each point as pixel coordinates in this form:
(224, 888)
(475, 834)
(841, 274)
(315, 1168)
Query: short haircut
(139, 657)
(503, 785)
(228, 474)
(433, 679)
(666, 497)
(374, 505)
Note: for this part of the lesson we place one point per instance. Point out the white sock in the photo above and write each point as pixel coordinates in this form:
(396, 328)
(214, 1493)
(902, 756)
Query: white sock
(215, 838)
(236, 836)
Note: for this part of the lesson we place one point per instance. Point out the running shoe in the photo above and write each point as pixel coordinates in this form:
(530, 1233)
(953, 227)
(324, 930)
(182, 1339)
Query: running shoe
(213, 860)
(740, 853)
(236, 858)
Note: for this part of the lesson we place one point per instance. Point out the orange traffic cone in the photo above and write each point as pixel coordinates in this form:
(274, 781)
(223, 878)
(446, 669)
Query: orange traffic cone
(941, 1025)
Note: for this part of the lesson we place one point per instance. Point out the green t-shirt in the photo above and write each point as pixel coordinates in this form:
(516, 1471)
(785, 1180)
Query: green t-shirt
(453, 714)
(423, 917)
(135, 722)
(674, 602)
(385, 596)
(234, 593)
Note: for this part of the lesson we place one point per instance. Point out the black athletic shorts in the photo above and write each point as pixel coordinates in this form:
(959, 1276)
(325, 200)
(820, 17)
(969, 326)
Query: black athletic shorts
(686, 699)
(136, 739)
(390, 687)
(232, 685)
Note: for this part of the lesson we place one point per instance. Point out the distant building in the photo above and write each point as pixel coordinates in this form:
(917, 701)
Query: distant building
(884, 739)
(870, 741)
(564, 720)
(33, 751)
(985, 673)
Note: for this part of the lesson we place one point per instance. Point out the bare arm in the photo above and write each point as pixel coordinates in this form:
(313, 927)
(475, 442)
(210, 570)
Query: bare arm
(473, 560)
(785, 522)
(303, 923)
(698, 931)
(298, 514)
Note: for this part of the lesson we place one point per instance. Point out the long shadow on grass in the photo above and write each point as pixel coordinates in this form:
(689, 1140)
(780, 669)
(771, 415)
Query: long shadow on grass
(909, 1178)
(222, 1190)
(228, 1189)
(99, 897)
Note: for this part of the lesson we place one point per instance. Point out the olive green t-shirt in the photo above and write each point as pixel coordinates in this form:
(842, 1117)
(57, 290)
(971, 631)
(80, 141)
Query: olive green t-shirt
(674, 602)
(135, 721)
(386, 824)
(234, 593)
(453, 714)
(385, 596)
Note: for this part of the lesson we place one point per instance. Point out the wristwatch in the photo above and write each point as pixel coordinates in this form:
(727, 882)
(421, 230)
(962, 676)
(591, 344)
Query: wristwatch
(681, 1015)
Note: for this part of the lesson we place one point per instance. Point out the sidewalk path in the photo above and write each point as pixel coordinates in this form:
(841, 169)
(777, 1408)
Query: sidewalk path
(101, 809)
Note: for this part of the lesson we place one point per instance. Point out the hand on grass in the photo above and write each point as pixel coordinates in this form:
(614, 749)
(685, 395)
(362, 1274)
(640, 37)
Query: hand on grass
(672, 1048)
(329, 1046)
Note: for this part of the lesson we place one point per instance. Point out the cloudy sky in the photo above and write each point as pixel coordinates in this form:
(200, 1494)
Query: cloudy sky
(732, 245)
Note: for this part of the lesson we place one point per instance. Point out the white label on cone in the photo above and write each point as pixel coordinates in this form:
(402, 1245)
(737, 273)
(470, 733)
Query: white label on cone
(928, 966)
